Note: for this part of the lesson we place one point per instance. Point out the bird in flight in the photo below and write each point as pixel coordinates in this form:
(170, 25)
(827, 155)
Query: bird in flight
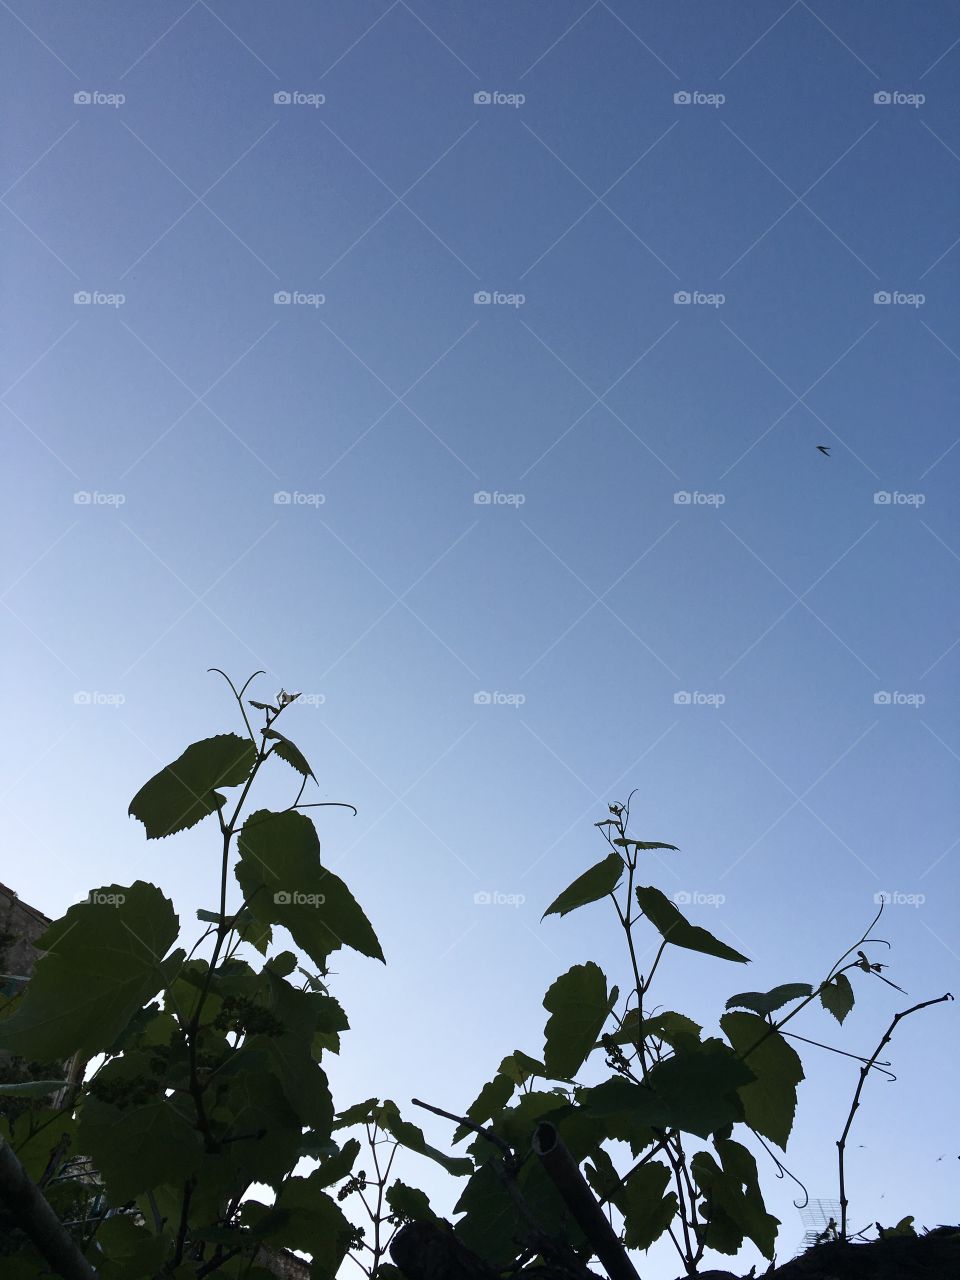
(824, 449)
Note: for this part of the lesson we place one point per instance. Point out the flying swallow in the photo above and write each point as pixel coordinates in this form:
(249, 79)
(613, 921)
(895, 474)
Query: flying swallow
(824, 449)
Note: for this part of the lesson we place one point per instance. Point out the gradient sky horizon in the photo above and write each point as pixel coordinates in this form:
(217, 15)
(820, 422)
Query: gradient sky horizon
(712, 239)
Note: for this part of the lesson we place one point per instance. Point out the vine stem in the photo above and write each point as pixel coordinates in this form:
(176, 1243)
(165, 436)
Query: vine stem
(864, 1072)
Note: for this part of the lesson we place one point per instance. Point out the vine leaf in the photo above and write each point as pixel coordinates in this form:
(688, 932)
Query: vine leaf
(409, 1202)
(290, 753)
(836, 996)
(490, 1101)
(408, 1135)
(102, 963)
(579, 1005)
(702, 1087)
(644, 844)
(770, 1001)
(647, 1212)
(593, 885)
(303, 1217)
(284, 883)
(733, 1200)
(770, 1102)
(670, 922)
(183, 793)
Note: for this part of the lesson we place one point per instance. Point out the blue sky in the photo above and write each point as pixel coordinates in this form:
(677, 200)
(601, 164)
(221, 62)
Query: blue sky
(674, 590)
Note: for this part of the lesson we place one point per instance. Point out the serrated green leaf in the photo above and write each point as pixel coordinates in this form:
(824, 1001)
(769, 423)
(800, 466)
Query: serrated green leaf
(409, 1202)
(644, 844)
(669, 921)
(290, 753)
(138, 1148)
(285, 883)
(770, 1001)
(336, 1165)
(208, 917)
(409, 1136)
(701, 1087)
(593, 885)
(31, 1088)
(183, 793)
(837, 996)
(770, 1101)
(101, 964)
(579, 1005)
(734, 1206)
(647, 1212)
(264, 706)
(520, 1067)
(359, 1113)
(491, 1100)
(668, 1026)
(303, 1217)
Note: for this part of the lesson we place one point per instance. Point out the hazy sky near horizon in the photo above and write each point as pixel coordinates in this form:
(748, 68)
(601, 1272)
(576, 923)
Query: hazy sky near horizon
(464, 367)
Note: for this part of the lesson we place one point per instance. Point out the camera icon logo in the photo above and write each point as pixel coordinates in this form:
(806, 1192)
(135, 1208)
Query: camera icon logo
(681, 698)
(282, 498)
(82, 98)
(282, 98)
(82, 498)
(682, 498)
(482, 298)
(882, 699)
(482, 98)
(882, 99)
(682, 98)
(282, 898)
(682, 897)
(281, 298)
(882, 498)
(882, 298)
(82, 298)
(482, 899)
(482, 699)
(82, 698)
(682, 298)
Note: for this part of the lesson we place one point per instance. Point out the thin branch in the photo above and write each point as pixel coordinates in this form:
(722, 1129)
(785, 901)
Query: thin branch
(864, 1072)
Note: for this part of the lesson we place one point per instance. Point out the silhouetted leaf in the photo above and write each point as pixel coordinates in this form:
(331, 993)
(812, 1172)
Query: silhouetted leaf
(183, 793)
(590, 887)
(770, 1001)
(290, 753)
(579, 1005)
(102, 962)
(701, 1087)
(665, 916)
(647, 1212)
(284, 883)
(491, 1100)
(770, 1101)
(409, 1202)
(837, 996)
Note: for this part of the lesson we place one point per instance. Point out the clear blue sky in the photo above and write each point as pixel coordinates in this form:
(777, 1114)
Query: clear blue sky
(782, 586)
